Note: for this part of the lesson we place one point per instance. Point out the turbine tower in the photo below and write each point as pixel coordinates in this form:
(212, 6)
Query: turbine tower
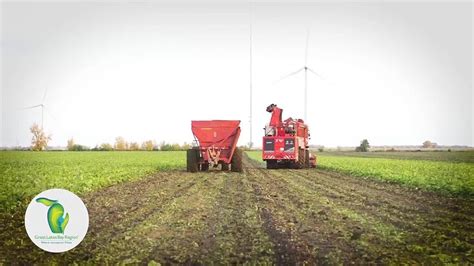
(250, 78)
(306, 69)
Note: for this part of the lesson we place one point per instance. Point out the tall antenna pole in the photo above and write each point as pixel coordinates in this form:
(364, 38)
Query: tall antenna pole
(250, 76)
(42, 115)
(306, 77)
(305, 94)
(42, 106)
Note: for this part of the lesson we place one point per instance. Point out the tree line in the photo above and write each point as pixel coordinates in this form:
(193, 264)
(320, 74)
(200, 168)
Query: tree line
(122, 145)
(40, 141)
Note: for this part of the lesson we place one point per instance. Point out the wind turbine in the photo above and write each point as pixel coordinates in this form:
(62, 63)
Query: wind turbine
(41, 105)
(250, 76)
(306, 69)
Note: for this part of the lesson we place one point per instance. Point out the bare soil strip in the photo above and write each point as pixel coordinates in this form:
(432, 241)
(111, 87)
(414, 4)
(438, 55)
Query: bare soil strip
(286, 252)
(367, 221)
(402, 211)
(280, 216)
(313, 236)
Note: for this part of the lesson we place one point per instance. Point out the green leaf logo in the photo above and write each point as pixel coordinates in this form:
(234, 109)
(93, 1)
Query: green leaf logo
(57, 223)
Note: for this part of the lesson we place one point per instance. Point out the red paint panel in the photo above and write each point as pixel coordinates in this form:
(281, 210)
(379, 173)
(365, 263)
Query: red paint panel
(220, 134)
(278, 152)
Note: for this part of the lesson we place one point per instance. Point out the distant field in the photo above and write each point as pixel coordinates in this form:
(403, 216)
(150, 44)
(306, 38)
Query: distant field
(277, 217)
(449, 174)
(455, 156)
(256, 155)
(24, 174)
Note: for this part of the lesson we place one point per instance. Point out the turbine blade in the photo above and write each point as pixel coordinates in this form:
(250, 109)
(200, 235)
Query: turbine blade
(44, 95)
(31, 107)
(306, 49)
(289, 75)
(312, 71)
(47, 112)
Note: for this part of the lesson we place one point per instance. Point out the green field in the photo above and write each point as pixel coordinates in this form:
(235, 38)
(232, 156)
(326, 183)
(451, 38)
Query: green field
(449, 174)
(24, 174)
(139, 214)
(454, 156)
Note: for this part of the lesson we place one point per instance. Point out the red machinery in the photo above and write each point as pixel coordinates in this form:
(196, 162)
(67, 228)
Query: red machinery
(286, 143)
(216, 142)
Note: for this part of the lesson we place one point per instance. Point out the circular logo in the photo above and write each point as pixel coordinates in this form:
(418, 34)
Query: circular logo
(56, 220)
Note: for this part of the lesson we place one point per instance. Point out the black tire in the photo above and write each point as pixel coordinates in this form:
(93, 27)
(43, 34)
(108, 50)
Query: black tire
(301, 161)
(306, 159)
(192, 157)
(236, 162)
(225, 167)
(204, 167)
(272, 164)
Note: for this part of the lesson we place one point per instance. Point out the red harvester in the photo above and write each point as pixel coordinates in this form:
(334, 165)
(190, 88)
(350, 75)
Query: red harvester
(286, 143)
(215, 144)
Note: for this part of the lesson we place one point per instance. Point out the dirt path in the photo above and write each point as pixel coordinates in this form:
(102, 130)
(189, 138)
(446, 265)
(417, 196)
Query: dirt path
(277, 216)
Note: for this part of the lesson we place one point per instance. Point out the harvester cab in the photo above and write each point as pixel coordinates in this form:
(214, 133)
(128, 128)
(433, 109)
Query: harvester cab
(215, 145)
(286, 143)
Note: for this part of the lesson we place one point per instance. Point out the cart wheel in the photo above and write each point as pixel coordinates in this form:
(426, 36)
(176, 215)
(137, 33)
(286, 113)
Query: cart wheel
(204, 167)
(236, 163)
(192, 156)
(306, 159)
(272, 164)
(300, 163)
(225, 167)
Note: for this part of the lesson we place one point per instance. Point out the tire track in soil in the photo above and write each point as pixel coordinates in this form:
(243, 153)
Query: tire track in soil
(425, 200)
(110, 211)
(322, 247)
(458, 211)
(279, 208)
(357, 195)
(360, 229)
(285, 251)
(368, 198)
(299, 215)
(434, 242)
(178, 232)
(404, 213)
(235, 235)
(129, 204)
(206, 239)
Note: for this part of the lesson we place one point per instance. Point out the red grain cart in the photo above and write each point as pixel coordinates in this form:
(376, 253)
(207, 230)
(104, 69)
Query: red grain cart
(215, 144)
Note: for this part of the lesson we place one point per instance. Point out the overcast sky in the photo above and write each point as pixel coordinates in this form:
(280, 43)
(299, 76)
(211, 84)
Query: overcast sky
(394, 73)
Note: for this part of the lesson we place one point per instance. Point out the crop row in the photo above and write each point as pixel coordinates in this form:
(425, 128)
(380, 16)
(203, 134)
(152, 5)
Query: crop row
(24, 174)
(455, 178)
(442, 176)
(454, 156)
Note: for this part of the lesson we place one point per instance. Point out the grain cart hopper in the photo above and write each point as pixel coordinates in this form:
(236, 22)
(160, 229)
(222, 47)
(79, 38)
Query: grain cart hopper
(286, 143)
(215, 144)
